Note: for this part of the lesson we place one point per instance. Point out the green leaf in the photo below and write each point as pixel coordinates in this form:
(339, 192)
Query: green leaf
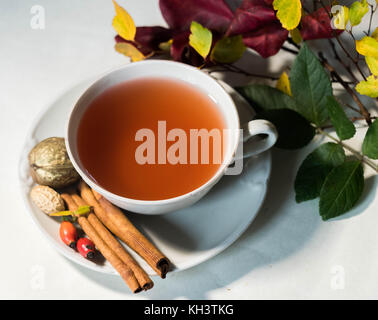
(296, 36)
(314, 170)
(266, 97)
(200, 39)
(294, 131)
(341, 189)
(82, 210)
(228, 49)
(289, 12)
(370, 144)
(344, 127)
(311, 86)
(357, 11)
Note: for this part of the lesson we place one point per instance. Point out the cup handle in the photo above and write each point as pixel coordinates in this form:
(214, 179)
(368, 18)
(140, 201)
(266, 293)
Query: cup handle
(253, 128)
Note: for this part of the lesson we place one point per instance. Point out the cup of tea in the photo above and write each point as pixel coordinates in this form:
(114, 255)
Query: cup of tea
(155, 136)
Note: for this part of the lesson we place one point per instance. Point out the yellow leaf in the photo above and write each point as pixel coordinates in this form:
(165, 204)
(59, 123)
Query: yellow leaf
(283, 84)
(166, 46)
(340, 20)
(372, 64)
(130, 51)
(296, 36)
(375, 34)
(369, 87)
(61, 214)
(357, 11)
(200, 39)
(368, 46)
(289, 12)
(123, 23)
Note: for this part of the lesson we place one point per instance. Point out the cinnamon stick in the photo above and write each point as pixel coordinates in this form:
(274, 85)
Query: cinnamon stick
(116, 221)
(125, 272)
(142, 277)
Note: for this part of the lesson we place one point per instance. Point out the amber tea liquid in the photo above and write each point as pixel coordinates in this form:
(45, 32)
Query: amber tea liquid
(106, 137)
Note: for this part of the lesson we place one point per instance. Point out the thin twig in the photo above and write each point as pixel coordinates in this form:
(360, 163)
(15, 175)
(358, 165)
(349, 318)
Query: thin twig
(371, 16)
(235, 69)
(334, 80)
(354, 41)
(291, 41)
(289, 50)
(314, 5)
(353, 119)
(337, 57)
(305, 8)
(355, 152)
(363, 111)
(353, 108)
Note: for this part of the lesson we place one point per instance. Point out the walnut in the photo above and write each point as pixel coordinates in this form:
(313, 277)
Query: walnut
(50, 164)
(47, 199)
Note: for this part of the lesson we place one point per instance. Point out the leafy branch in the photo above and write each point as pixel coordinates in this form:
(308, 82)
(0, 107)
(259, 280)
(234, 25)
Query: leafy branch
(212, 37)
(315, 106)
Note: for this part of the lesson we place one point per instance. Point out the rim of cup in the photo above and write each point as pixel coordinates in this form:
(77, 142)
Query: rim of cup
(110, 195)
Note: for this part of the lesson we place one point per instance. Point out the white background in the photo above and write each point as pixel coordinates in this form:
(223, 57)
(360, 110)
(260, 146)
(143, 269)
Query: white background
(288, 252)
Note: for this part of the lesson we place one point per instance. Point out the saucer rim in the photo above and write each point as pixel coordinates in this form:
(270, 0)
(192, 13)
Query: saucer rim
(73, 256)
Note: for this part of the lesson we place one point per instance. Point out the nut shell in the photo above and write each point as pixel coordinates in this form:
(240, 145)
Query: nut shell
(50, 164)
(47, 199)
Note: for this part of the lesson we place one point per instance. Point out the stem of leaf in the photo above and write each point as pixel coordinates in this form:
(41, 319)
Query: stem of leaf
(337, 57)
(353, 119)
(235, 69)
(289, 50)
(353, 151)
(371, 17)
(291, 41)
(364, 112)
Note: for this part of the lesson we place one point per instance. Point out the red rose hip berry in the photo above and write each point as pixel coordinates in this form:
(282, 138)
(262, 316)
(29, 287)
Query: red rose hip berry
(68, 234)
(86, 248)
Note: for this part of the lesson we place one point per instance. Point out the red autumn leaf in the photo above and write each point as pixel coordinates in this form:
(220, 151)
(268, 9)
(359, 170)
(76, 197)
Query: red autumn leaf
(212, 14)
(251, 15)
(147, 39)
(317, 25)
(179, 45)
(261, 30)
(151, 37)
(268, 40)
(182, 51)
(144, 50)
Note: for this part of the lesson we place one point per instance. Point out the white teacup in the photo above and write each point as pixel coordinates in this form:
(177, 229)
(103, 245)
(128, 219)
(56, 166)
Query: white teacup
(193, 76)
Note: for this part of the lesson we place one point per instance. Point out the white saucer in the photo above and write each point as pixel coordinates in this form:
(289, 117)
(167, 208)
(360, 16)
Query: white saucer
(187, 237)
